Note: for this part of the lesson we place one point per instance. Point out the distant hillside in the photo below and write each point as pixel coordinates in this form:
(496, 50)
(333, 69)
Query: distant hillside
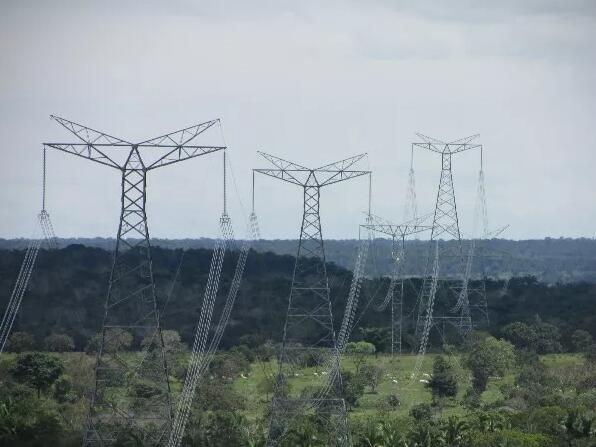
(549, 260)
(68, 289)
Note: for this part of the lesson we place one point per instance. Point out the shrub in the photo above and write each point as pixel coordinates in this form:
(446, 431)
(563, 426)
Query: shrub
(59, 343)
(20, 342)
(421, 412)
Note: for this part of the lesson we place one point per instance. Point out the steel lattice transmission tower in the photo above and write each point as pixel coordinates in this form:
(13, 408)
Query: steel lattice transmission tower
(308, 333)
(132, 392)
(445, 226)
(396, 291)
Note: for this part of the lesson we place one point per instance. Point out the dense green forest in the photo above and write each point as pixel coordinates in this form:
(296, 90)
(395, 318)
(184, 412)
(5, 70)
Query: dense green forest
(526, 379)
(68, 289)
(550, 260)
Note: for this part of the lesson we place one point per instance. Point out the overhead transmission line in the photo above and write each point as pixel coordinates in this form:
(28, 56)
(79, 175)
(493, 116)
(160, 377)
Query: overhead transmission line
(43, 230)
(203, 350)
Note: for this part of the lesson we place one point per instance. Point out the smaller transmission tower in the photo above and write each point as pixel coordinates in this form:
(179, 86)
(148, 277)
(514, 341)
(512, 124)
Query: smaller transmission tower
(396, 293)
(309, 334)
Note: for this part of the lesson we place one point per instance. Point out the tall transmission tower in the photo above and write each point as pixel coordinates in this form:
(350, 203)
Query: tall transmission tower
(445, 226)
(308, 330)
(396, 291)
(132, 392)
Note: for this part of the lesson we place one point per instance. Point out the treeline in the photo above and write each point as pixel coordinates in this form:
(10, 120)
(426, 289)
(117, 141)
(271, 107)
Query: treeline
(550, 260)
(68, 288)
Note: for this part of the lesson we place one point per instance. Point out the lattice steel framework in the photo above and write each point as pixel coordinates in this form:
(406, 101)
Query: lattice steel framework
(131, 396)
(308, 333)
(396, 293)
(445, 226)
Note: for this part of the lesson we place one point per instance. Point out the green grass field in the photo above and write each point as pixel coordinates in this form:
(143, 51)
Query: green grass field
(395, 380)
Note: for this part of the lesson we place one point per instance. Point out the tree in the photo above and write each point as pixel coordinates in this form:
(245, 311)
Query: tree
(359, 351)
(352, 388)
(425, 435)
(115, 340)
(591, 354)
(378, 336)
(223, 429)
(265, 385)
(455, 432)
(20, 342)
(548, 420)
(217, 395)
(384, 433)
(421, 412)
(59, 343)
(548, 338)
(443, 382)
(535, 384)
(229, 365)
(488, 421)
(581, 340)
(171, 341)
(266, 351)
(63, 389)
(520, 335)
(488, 357)
(371, 375)
(38, 370)
(29, 422)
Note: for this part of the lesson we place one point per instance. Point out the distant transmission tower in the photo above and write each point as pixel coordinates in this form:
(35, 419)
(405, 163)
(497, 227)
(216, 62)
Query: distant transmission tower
(396, 291)
(447, 253)
(132, 393)
(309, 334)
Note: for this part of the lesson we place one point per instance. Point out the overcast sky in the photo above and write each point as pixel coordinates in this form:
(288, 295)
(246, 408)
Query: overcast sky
(312, 82)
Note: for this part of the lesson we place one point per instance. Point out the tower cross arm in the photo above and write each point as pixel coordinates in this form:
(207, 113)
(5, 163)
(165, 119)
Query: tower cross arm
(377, 223)
(282, 164)
(180, 137)
(325, 178)
(299, 175)
(88, 135)
(441, 147)
(177, 154)
(344, 164)
(88, 151)
(177, 145)
(295, 176)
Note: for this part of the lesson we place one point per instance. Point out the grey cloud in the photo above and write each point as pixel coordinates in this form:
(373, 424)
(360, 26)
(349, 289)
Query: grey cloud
(310, 82)
(491, 11)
